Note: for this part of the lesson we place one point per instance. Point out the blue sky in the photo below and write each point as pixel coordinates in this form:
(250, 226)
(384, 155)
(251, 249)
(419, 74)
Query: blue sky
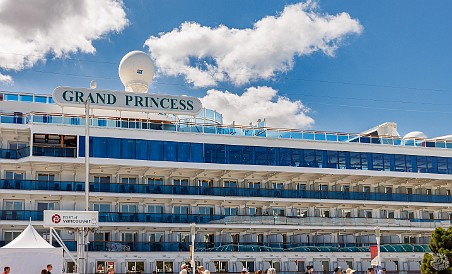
(397, 69)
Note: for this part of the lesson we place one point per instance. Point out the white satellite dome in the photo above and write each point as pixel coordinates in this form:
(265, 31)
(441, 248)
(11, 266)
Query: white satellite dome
(415, 135)
(136, 71)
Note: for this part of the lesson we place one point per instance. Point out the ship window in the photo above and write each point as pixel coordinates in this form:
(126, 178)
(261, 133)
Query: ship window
(277, 185)
(205, 182)
(366, 189)
(46, 177)
(301, 187)
(388, 190)
(135, 267)
(367, 213)
(8, 236)
(26, 98)
(345, 188)
(221, 266)
(101, 207)
(129, 208)
(40, 99)
(206, 210)
(155, 209)
(255, 185)
(55, 140)
(181, 209)
(164, 266)
(14, 175)
(101, 179)
(129, 180)
(155, 181)
(13, 205)
(181, 182)
(232, 211)
(249, 265)
(15, 145)
(231, 184)
(409, 190)
(156, 237)
(41, 206)
(428, 191)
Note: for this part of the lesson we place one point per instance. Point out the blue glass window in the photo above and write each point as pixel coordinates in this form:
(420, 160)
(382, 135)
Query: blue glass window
(41, 99)
(183, 152)
(285, 157)
(355, 160)
(197, 153)
(156, 150)
(235, 155)
(142, 150)
(114, 148)
(98, 147)
(105, 147)
(128, 148)
(170, 150)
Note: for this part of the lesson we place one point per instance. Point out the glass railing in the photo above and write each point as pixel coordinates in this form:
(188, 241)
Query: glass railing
(198, 126)
(52, 151)
(114, 217)
(118, 246)
(14, 153)
(219, 191)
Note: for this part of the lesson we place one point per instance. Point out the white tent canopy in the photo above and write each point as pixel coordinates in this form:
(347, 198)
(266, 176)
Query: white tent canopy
(30, 253)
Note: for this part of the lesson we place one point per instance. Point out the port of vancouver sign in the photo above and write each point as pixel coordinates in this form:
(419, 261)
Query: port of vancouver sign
(67, 218)
(120, 100)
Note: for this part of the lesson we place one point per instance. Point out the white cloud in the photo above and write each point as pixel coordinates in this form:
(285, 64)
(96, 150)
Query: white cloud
(6, 79)
(30, 30)
(205, 55)
(258, 103)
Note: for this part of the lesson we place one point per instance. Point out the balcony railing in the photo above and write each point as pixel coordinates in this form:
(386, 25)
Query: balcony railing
(114, 217)
(52, 151)
(118, 246)
(219, 191)
(14, 153)
(208, 128)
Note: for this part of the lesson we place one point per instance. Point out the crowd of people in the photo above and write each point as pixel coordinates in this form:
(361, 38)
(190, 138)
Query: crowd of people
(47, 270)
(309, 270)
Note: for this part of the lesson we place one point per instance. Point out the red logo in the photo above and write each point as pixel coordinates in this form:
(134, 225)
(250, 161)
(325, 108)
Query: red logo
(56, 218)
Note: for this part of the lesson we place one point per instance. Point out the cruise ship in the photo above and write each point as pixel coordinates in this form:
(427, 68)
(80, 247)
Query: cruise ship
(258, 197)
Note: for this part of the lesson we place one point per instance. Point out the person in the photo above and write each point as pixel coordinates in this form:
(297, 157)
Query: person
(349, 271)
(184, 269)
(200, 269)
(370, 270)
(49, 268)
(206, 272)
(309, 269)
(6, 270)
(111, 271)
(338, 270)
(271, 271)
(259, 272)
(383, 270)
(244, 271)
(44, 271)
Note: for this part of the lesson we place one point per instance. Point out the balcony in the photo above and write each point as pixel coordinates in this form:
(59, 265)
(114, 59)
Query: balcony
(121, 217)
(219, 191)
(14, 153)
(118, 246)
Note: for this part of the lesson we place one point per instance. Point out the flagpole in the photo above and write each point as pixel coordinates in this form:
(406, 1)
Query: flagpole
(377, 235)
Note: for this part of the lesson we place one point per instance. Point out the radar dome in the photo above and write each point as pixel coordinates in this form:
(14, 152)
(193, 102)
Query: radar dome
(415, 135)
(136, 71)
